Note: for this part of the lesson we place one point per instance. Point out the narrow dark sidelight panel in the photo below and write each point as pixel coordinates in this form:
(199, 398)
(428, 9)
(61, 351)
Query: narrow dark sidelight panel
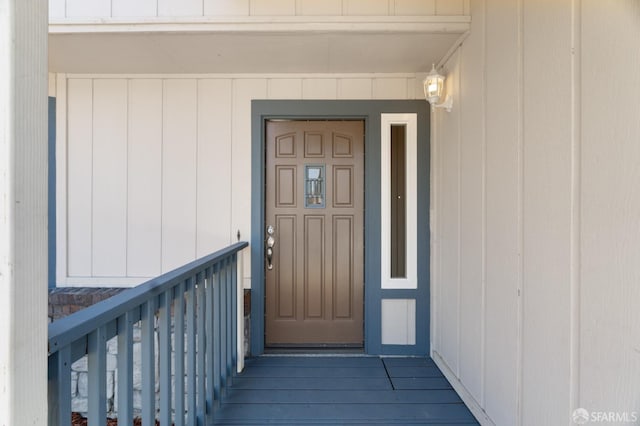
(398, 202)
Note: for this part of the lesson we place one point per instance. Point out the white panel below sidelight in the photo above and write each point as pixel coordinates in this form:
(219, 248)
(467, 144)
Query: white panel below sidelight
(398, 322)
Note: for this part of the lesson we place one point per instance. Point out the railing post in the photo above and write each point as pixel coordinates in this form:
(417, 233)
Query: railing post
(234, 316)
(59, 387)
(239, 282)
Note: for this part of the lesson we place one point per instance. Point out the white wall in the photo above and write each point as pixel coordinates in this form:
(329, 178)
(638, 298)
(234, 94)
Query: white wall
(82, 9)
(23, 212)
(155, 171)
(536, 237)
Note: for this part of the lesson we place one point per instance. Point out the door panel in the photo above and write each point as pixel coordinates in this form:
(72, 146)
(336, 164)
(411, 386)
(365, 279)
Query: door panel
(285, 274)
(314, 292)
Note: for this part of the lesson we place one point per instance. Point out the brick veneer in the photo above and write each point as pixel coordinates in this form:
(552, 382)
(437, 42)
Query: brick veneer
(67, 300)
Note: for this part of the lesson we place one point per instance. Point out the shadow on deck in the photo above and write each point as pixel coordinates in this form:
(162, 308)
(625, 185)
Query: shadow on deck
(341, 390)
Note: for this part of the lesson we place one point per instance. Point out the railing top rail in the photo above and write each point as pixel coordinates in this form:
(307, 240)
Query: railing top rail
(69, 329)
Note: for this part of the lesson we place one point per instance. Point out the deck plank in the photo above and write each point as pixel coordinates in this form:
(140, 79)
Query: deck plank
(408, 362)
(345, 412)
(416, 383)
(337, 383)
(315, 361)
(414, 371)
(333, 396)
(311, 372)
(328, 390)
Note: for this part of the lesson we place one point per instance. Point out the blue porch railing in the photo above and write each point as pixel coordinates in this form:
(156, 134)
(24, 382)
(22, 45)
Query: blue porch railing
(201, 299)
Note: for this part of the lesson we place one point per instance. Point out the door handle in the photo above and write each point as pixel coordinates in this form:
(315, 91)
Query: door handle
(270, 243)
(269, 257)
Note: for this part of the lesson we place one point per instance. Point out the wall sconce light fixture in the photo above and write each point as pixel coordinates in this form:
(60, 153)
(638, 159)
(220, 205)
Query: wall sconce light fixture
(433, 86)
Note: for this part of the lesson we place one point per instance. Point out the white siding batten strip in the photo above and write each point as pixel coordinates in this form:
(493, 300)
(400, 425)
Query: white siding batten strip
(483, 319)
(126, 173)
(520, 220)
(196, 166)
(576, 204)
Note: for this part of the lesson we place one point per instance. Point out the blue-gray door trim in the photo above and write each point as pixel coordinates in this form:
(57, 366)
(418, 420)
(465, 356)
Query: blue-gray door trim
(51, 190)
(370, 112)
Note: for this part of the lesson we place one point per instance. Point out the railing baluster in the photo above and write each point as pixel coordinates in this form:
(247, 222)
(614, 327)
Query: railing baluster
(178, 336)
(164, 337)
(209, 339)
(125, 368)
(239, 283)
(148, 363)
(191, 352)
(202, 403)
(97, 371)
(234, 315)
(59, 387)
(223, 328)
(216, 334)
(229, 320)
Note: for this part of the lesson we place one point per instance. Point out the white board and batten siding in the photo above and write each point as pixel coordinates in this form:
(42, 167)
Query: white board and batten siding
(145, 9)
(536, 243)
(155, 171)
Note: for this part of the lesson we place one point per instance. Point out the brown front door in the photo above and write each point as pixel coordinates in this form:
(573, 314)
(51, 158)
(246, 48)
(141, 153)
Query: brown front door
(314, 205)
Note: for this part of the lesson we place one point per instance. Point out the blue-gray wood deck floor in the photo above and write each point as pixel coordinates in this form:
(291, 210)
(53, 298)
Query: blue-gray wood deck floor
(341, 390)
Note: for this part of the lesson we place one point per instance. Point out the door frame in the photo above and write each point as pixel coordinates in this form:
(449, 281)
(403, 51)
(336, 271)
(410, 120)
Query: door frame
(370, 112)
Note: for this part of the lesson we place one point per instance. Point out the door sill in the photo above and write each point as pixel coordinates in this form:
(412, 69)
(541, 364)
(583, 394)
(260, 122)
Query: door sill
(314, 350)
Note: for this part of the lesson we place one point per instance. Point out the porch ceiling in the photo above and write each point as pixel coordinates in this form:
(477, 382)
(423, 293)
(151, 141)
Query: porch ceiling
(269, 46)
